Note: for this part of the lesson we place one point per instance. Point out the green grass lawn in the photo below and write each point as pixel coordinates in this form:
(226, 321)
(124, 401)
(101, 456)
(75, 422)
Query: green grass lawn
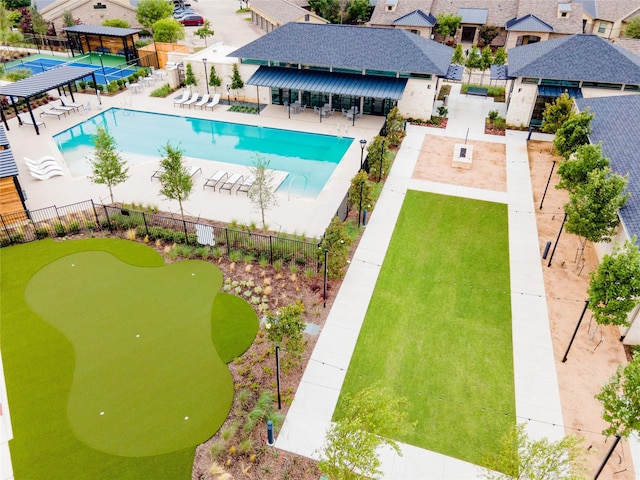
(115, 363)
(438, 328)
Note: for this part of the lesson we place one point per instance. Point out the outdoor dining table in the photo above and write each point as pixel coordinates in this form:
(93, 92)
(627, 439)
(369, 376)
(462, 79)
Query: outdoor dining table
(295, 107)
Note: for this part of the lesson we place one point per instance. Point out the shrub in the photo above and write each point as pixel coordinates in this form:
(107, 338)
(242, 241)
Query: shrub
(42, 233)
(493, 114)
(17, 238)
(113, 87)
(74, 227)
(59, 229)
(163, 91)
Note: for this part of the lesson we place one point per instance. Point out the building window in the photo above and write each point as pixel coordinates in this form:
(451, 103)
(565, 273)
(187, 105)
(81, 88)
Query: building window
(307, 17)
(602, 28)
(530, 80)
(99, 6)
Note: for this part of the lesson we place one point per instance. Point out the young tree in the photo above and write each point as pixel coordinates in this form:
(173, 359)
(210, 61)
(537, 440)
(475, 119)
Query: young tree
(168, 30)
(614, 288)
(116, 22)
(592, 211)
(107, 166)
(473, 61)
(149, 12)
(632, 27)
(556, 113)
(487, 33)
(521, 458)
(262, 193)
(574, 171)
(358, 11)
(329, 9)
(38, 23)
(395, 127)
(337, 242)
(68, 20)
(190, 78)
(176, 182)
(572, 133)
(204, 31)
(214, 79)
(500, 58)
(620, 398)
(369, 419)
(360, 191)
(458, 55)
(378, 159)
(447, 24)
(236, 80)
(284, 328)
(486, 59)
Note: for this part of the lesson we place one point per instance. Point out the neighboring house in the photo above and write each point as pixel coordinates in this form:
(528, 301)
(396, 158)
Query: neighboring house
(271, 14)
(606, 17)
(630, 44)
(373, 69)
(582, 65)
(90, 12)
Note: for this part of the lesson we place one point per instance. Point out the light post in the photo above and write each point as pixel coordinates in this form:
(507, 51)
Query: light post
(206, 79)
(381, 158)
(363, 142)
(104, 74)
(229, 94)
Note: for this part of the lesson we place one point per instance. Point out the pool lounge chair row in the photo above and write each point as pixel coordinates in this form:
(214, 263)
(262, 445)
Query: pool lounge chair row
(59, 109)
(224, 181)
(43, 168)
(196, 100)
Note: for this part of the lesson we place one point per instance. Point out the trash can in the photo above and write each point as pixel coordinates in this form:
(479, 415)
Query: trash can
(445, 102)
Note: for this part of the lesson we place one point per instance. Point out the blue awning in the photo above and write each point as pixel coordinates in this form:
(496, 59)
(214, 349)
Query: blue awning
(499, 72)
(329, 82)
(455, 72)
(549, 91)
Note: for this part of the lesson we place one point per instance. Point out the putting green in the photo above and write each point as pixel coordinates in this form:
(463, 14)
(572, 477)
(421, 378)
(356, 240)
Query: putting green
(148, 379)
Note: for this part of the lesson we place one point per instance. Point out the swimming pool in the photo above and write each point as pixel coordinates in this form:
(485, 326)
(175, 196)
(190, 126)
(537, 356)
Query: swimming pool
(309, 158)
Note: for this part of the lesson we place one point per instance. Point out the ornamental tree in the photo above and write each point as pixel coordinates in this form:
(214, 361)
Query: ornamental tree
(574, 171)
(285, 327)
(107, 166)
(556, 113)
(458, 55)
(360, 191)
(473, 60)
(572, 133)
(620, 398)
(168, 30)
(204, 31)
(447, 24)
(614, 288)
(487, 33)
(500, 58)
(262, 193)
(176, 182)
(149, 12)
(632, 27)
(189, 77)
(236, 80)
(214, 79)
(337, 242)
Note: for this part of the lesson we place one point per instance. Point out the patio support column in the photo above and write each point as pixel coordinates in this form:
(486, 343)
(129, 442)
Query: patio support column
(258, 97)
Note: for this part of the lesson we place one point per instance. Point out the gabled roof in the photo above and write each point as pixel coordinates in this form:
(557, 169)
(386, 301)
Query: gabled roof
(589, 7)
(104, 31)
(417, 18)
(346, 46)
(283, 11)
(547, 11)
(56, 8)
(609, 10)
(528, 23)
(630, 44)
(498, 11)
(575, 57)
(382, 16)
(477, 16)
(621, 143)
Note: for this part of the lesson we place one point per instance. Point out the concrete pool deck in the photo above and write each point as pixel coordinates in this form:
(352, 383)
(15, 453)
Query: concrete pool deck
(294, 214)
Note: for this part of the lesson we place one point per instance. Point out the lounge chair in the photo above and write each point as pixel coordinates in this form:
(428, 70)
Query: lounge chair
(45, 173)
(191, 170)
(231, 182)
(74, 105)
(182, 99)
(50, 111)
(192, 100)
(214, 101)
(214, 179)
(25, 119)
(62, 108)
(200, 103)
(45, 159)
(246, 185)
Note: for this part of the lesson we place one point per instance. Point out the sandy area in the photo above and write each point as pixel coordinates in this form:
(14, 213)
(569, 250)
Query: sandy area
(488, 169)
(595, 353)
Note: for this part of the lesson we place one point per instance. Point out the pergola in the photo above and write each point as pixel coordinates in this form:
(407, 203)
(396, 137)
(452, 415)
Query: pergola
(96, 38)
(42, 83)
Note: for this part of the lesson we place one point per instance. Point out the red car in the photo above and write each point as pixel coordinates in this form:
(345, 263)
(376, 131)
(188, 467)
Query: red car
(192, 20)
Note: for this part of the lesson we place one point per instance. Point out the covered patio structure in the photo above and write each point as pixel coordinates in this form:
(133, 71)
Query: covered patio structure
(110, 40)
(40, 83)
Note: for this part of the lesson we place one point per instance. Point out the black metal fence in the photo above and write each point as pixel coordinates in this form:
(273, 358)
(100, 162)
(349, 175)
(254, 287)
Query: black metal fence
(86, 217)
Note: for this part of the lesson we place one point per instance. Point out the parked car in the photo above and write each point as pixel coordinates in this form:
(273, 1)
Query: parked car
(192, 20)
(179, 15)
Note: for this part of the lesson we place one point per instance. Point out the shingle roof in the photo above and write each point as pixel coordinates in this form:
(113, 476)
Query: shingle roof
(282, 11)
(498, 11)
(575, 57)
(105, 31)
(347, 46)
(381, 16)
(621, 143)
(611, 10)
(416, 18)
(547, 11)
(477, 16)
(589, 7)
(630, 44)
(528, 23)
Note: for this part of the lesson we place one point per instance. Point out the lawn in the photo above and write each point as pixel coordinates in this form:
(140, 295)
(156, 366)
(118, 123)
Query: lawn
(115, 363)
(438, 328)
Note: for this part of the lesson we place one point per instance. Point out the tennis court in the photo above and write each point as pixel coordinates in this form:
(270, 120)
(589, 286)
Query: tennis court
(107, 67)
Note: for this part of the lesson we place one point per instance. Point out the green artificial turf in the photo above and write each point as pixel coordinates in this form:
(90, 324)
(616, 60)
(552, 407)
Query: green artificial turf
(438, 328)
(71, 314)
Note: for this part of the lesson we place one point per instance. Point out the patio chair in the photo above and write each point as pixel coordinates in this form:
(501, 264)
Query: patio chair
(201, 103)
(214, 101)
(62, 108)
(231, 182)
(214, 179)
(50, 111)
(75, 105)
(192, 100)
(182, 99)
(25, 119)
(246, 185)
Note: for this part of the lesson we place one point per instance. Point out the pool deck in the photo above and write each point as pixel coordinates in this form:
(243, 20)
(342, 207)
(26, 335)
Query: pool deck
(294, 214)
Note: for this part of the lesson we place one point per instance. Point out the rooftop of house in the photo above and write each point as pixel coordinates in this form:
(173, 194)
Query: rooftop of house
(575, 57)
(548, 12)
(615, 124)
(284, 11)
(630, 44)
(610, 10)
(347, 46)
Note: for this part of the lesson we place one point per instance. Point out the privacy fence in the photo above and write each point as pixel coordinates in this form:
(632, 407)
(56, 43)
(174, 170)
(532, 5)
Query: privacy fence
(87, 217)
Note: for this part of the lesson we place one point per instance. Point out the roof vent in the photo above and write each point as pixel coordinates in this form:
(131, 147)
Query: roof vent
(390, 5)
(564, 10)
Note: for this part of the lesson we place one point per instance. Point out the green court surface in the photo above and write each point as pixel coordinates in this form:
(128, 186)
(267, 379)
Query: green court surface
(438, 327)
(115, 362)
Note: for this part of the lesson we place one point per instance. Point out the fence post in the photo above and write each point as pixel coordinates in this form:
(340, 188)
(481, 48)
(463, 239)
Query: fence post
(106, 214)
(186, 235)
(270, 251)
(57, 214)
(95, 214)
(226, 234)
(6, 229)
(146, 227)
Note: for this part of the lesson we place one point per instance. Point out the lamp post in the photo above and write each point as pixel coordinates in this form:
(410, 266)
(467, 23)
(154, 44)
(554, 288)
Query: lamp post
(363, 142)
(381, 158)
(104, 74)
(206, 79)
(229, 94)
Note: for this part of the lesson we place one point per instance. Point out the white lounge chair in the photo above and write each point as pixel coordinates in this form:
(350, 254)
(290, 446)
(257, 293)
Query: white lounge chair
(25, 119)
(44, 160)
(246, 185)
(75, 105)
(50, 111)
(231, 182)
(214, 179)
(62, 108)
(46, 175)
(182, 99)
(192, 100)
(200, 103)
(214, 101)
(191, 170)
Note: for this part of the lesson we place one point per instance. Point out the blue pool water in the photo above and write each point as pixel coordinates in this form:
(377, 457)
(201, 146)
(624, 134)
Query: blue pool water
(309, 158)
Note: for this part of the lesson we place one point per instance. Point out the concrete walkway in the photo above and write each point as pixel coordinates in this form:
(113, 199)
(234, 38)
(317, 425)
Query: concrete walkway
(537, 394)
